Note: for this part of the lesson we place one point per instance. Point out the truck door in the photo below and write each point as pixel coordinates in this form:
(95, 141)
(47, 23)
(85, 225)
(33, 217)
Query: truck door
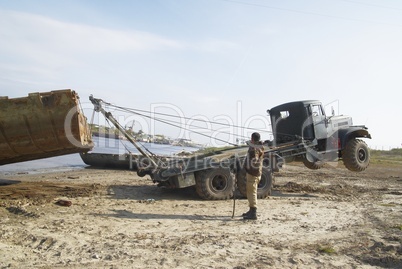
(319, 121)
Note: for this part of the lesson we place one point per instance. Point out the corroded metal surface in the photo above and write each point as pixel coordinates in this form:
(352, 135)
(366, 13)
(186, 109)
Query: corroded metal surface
(42, 125)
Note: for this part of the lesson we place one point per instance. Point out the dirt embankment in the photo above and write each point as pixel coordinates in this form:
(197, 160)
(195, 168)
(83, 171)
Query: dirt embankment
(329, 218)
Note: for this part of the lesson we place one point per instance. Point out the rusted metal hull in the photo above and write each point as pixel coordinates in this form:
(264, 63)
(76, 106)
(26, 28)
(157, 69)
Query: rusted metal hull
(42, 125)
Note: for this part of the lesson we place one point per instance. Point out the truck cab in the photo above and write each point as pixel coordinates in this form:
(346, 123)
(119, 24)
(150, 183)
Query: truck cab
(325, 138)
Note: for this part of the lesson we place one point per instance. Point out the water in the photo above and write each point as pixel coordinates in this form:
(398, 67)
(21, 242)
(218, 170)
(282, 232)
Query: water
(74, 161)
(115, 146)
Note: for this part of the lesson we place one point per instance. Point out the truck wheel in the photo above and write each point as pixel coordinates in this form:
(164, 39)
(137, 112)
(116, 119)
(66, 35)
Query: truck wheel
(264, 187)
(313, 165)
(356, 155)
(214, 184)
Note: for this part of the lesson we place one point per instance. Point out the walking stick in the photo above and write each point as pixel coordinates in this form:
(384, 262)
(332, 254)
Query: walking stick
(234, 205)
(234, 196)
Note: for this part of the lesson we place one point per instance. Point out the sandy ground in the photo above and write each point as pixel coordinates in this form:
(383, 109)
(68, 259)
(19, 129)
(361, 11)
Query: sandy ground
(329, 218)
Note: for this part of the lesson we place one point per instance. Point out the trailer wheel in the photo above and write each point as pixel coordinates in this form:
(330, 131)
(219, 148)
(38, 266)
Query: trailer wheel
(214, 184)
(356, 155)
(313, 165)
(264, 187)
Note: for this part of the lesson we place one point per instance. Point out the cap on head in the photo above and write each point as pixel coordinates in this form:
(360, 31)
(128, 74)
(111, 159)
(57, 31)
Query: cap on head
(255, 137)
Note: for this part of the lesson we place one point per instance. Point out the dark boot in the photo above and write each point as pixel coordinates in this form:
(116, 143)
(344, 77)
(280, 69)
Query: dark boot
(252, 215)
(247, 213)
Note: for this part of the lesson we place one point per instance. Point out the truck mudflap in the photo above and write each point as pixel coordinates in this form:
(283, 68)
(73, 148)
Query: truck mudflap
(42, 125)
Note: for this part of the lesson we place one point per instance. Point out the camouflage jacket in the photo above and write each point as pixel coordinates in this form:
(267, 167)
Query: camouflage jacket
(254, 158)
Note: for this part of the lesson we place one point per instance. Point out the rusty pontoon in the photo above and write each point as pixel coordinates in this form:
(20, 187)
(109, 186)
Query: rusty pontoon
(42, 125)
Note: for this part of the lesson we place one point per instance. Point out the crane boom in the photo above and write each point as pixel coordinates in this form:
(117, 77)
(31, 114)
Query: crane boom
(98, 108)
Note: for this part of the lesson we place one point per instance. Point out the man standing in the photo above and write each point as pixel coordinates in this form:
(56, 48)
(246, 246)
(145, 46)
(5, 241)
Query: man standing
(253, 166)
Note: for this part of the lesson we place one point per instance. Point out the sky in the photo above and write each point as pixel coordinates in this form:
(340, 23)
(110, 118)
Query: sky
(221, 60)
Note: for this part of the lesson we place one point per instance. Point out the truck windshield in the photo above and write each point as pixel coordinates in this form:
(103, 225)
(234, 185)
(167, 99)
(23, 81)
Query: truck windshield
(316, 110)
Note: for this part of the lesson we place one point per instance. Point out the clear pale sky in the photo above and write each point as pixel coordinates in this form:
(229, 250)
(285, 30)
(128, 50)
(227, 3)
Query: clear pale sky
(213, 59)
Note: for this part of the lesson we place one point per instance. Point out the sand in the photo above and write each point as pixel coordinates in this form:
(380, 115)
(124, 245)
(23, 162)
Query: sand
(327, 218)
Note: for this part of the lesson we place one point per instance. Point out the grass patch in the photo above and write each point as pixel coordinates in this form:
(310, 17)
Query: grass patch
(388, 157)
(326, 250)
(388, 205)
(206, 152)
(399, 227)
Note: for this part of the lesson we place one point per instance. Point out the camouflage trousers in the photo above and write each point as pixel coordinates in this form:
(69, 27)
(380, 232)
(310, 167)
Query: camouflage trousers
(252, 185)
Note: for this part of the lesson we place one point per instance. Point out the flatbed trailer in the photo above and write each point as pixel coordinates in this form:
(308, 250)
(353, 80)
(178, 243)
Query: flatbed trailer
(215, 175)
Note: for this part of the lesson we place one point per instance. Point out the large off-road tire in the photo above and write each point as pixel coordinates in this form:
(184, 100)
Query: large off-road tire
(313, 165)
(356, 155)
(264, 187)
(214, 184)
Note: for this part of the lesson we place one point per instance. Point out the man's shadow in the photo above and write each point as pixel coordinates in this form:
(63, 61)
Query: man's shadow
(6, 182)
(125, 214)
